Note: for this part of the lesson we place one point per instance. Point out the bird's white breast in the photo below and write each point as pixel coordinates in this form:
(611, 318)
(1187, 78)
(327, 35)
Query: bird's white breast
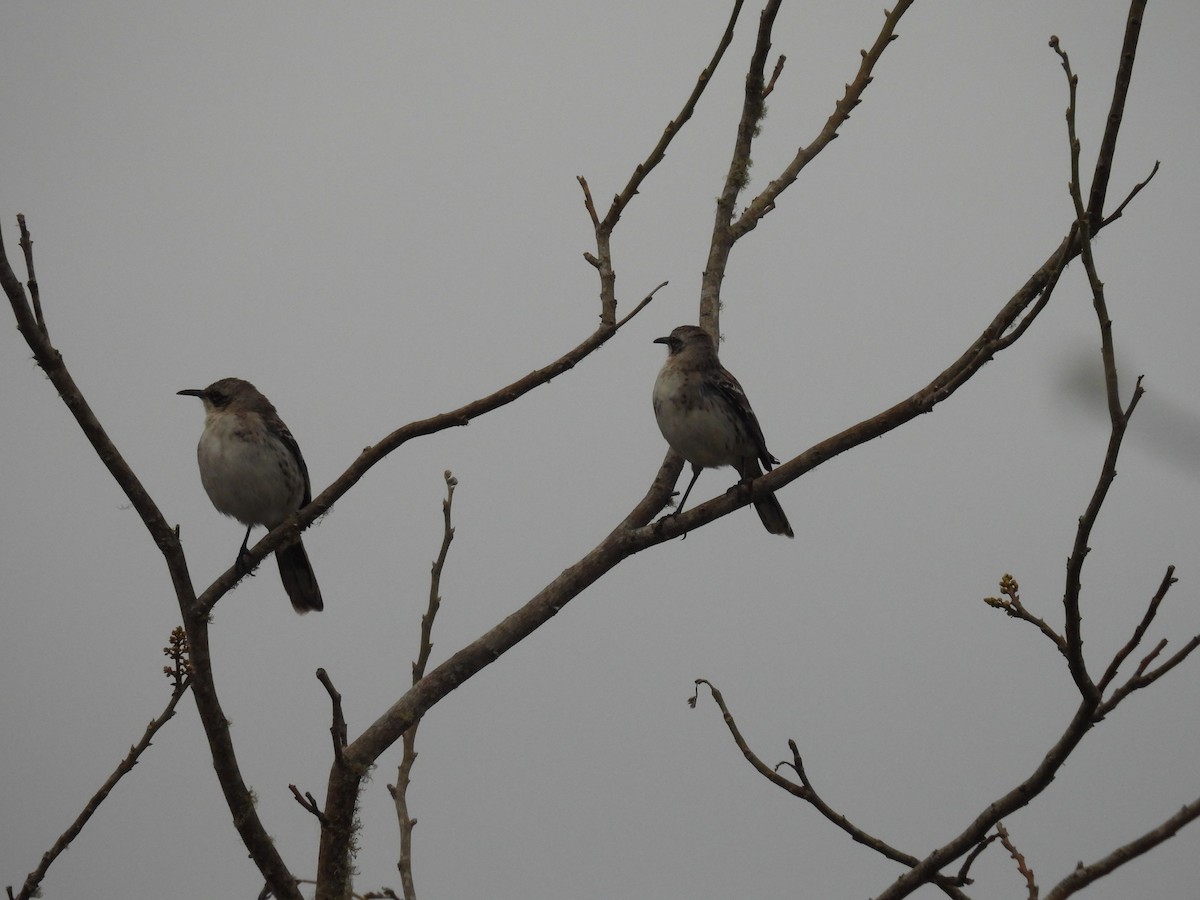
(696, 426)
(247, 473)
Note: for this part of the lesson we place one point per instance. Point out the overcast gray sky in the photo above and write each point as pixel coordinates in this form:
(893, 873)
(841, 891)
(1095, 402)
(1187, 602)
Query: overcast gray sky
(370, 211)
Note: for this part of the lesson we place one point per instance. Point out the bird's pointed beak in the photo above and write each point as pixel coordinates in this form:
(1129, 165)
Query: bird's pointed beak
(662, 340)
(190, 392)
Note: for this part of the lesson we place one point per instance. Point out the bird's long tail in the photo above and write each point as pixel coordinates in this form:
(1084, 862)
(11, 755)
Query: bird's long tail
(298, 579)
(773, 516)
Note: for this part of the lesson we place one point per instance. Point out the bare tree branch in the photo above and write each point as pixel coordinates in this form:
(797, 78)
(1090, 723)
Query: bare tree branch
(1119, 418)
(1013, 606)
(1085, 875)
(353, 759)
(1019, 858)
(337, 727)
(399, 790)
(643, 169)
(178, 672)
(1141, 678)
(726, 231)
(216, 727)
(738, 175)
(1139, 632)
(1137, 189)
(603, 229)
(964, 870)
(371, 456)
(308, 802)
(31, 283)
(1116, 113)
(805, 791)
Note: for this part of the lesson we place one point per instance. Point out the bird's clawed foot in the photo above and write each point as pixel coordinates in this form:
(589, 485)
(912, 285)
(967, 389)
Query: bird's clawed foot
(673, 514)
(742, 486)
(243, 563)
(243, 558)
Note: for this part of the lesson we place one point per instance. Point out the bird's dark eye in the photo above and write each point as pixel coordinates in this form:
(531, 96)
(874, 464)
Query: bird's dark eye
(216, 398)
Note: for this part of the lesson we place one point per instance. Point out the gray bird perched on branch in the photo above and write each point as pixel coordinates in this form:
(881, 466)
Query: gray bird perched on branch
(252, 470)
(703, 413)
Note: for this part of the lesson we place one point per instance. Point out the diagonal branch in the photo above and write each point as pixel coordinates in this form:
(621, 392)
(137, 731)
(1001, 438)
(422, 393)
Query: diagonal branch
(1143, 678)
(1019, 859)
(1085, 875)
(178, 672)
(621, 200)
(1116, 112)
(602, 261)
(852, 97)
(1140, 632)
(1118, 417)
(991, 341)
(238, 796)
(195, 610)
(805, 791)
(727, 230)
(371, 456)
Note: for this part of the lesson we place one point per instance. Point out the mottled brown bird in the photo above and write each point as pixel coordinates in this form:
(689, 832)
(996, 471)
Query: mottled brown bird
(252, 470)
(703, 413)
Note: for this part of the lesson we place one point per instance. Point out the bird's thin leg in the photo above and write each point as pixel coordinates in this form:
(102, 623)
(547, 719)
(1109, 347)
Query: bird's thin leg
(695, 475)
(242, 562)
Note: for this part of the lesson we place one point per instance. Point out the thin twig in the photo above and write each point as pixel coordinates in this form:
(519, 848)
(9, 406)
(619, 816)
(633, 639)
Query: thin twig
(805, 791)
(399, 790)
(796, 790)
(779, 63)
(32, 283)
(178, 672)
(1139, 632)
(309, 802)
(964, 871)
(1137, 189)
(1019, 858)
(851, 97)
(1085, 875)
(1013, 606)
(1118, 417)
(337, 727)
(1142, 679)
(643, 169)
(1044, 294)
(602, 259)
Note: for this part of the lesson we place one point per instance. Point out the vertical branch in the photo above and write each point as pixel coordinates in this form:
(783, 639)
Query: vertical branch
(1116, 112)
(399, 791)
(738, 175)
(1118, 416)
(603, 228)
(34, 293)
(727, 230)
(238, 797)
(337, 725)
